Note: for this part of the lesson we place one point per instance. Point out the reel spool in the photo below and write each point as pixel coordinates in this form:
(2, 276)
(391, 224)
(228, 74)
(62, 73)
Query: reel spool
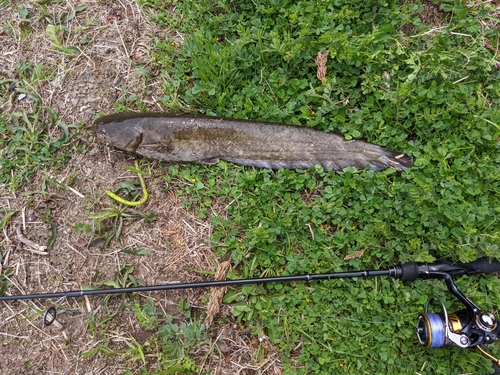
(443, 330)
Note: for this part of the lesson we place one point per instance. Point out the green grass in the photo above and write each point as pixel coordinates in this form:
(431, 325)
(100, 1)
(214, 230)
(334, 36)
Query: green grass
(256, 60)
(433, 95)
(25, 143)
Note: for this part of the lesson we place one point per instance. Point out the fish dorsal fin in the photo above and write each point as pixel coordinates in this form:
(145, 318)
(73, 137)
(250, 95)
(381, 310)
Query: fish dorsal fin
(131, 115)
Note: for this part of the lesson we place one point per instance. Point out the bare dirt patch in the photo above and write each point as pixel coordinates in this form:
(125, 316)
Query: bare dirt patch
(431, 15)
(115, 40)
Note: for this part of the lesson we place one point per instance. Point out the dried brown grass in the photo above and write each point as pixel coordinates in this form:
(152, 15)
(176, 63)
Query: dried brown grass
(77, 88)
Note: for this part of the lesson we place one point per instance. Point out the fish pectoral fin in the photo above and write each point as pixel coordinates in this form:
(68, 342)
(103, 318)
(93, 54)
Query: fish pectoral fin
(134, 143)
(209, 161)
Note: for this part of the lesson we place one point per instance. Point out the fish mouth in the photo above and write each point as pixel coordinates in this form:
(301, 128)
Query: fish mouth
(123, 139)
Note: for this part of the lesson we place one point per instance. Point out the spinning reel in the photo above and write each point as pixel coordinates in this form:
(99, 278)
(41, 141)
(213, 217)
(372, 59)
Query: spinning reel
(467, 328)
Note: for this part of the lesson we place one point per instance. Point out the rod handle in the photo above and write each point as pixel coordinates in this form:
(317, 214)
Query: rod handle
(482, 265)
(411, 271)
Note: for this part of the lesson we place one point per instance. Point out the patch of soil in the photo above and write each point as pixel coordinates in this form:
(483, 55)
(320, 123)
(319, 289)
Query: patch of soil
(431, 15)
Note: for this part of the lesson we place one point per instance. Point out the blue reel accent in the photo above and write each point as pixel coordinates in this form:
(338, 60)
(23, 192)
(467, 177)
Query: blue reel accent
(436, 330)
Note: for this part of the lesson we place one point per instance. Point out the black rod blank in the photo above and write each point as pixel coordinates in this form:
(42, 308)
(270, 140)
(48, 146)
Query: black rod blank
(204, 284)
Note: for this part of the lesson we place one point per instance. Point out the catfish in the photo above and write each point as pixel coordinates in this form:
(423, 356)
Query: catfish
(190, 138)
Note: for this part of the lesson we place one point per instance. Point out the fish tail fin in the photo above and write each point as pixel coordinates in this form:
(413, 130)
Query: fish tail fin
(397, 160)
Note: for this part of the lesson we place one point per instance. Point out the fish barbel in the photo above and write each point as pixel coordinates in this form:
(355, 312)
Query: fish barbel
(188, 138)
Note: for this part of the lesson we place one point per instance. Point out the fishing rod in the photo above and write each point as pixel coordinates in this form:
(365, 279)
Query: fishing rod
(470, 327)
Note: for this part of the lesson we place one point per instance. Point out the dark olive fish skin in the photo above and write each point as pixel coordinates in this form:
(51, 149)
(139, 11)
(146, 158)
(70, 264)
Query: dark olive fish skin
(266, 145)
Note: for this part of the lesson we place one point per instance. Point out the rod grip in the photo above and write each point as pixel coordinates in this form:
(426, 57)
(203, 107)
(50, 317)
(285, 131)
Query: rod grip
(411, 271)
(482, 265)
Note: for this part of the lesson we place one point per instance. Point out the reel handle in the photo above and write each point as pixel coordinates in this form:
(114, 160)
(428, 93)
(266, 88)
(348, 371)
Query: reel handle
(412, 270)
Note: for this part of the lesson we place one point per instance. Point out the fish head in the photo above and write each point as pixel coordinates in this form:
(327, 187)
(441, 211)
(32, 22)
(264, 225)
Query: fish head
(122, 134)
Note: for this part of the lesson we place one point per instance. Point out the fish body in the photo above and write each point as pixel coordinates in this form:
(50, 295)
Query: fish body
(176, 138)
